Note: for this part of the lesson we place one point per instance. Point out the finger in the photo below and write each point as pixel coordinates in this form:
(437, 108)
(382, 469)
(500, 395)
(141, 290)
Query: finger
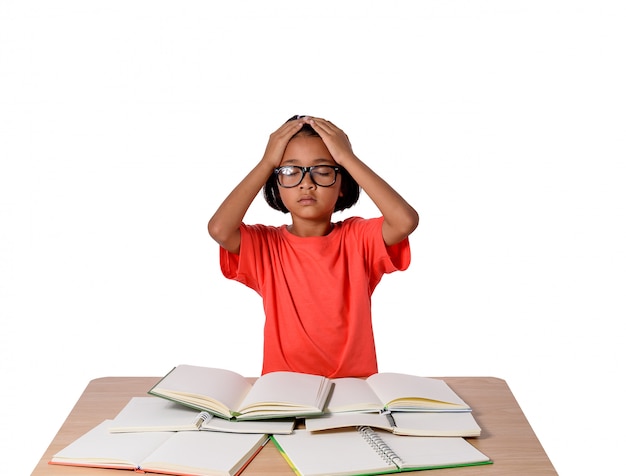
(288, 129)
(295, 124)
(328, 130)
(328, 126)
(320, 125)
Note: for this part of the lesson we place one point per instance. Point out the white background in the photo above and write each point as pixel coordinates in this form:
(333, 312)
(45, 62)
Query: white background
(123, 124)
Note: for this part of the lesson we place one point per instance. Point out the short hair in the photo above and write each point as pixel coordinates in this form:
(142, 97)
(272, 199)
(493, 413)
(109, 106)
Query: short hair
(349, 187)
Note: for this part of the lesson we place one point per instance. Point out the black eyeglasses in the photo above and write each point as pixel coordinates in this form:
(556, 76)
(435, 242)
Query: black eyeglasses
(289, 176)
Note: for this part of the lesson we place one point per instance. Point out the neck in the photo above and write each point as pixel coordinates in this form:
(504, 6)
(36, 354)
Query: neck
(310, 229)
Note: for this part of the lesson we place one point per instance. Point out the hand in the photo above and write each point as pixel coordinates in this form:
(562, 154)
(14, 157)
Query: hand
(278, 141)
(335, 140)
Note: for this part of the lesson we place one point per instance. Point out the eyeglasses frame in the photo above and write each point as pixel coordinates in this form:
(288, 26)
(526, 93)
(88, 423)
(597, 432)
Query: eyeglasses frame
(304, 171)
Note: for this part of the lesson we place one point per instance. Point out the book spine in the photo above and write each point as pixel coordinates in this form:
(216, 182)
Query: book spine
(379, 445)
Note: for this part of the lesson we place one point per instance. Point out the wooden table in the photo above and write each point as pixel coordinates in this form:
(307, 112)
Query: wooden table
(506, 438)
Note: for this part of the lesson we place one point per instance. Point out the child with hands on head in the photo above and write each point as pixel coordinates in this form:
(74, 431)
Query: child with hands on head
(315, 276)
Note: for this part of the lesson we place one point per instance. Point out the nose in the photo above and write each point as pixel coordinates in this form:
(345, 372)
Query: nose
(307, 180)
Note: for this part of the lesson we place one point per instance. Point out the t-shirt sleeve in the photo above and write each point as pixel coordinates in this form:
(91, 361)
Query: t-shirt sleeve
(229, 263)
(241, 267)
(400, 254)
(382, 259)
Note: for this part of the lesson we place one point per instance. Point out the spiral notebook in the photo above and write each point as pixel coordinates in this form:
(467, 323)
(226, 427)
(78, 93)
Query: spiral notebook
(157, 414)
(365, 450)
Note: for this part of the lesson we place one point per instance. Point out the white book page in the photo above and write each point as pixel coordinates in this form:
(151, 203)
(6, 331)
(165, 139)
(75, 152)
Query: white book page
(99, 446)
(427, 452)
(158, 414)
(219, 385)
(346, 420)
(279, 389)
(392, 386)
(154, 414)
(436, 424)
(352, 394)
(340, 452)
(199, 452)
(283, 425)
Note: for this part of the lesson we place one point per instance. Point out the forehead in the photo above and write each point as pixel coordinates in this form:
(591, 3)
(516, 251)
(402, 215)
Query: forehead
(306, 150)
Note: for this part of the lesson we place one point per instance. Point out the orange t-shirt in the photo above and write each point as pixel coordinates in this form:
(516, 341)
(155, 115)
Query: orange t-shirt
(317, 293)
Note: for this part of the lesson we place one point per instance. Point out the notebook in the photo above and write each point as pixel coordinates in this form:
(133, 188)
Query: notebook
(366, 450)
(157, 414)
(389, 391)
(402, 423)
(230, 395)
(178, 453)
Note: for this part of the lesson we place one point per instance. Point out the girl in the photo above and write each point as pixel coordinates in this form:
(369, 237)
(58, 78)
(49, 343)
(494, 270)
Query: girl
(315, 276)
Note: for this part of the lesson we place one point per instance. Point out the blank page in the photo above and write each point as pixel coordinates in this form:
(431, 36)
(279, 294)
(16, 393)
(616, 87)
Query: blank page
(427, 452)
(353, 394)
(340, 452)
(287, 387)
(204, 452)
(99, 447)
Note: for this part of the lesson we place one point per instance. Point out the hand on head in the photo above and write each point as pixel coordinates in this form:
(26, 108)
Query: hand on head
(335, 140)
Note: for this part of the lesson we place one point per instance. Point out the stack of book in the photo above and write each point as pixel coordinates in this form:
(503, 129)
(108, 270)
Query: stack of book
(210, 421)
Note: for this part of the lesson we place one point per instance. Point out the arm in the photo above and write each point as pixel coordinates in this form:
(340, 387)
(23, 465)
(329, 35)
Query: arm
(224, 224)
(399, 218)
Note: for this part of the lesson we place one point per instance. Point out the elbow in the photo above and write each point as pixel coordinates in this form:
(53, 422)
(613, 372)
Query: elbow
(402, 226)
(225, 236)
(411, 221)
(215, 230)
(416, 220)
(408, 224)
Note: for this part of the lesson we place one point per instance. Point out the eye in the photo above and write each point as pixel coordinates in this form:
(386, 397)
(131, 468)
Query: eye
(323, 170)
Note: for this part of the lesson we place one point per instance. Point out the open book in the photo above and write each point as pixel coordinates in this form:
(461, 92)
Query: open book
(180, 453)
(401, 423)
(158, 414)
(393, 392)
(369, 451)
(229, 395)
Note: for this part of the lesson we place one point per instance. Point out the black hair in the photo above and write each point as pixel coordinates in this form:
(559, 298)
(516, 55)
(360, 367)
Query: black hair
(349, 187)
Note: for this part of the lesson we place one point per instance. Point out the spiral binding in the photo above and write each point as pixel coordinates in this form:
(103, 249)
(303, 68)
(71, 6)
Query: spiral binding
(379, 445)
(201, 418)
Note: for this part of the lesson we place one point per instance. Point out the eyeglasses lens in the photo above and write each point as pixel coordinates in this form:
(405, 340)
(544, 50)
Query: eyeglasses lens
(322, 175)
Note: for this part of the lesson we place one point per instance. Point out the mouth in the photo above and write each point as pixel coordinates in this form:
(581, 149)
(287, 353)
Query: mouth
(306, 200)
